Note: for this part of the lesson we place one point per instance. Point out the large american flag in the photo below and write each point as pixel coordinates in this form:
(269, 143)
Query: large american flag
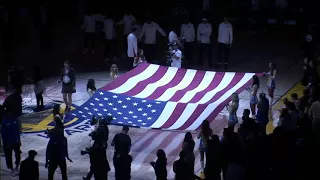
(154, 96)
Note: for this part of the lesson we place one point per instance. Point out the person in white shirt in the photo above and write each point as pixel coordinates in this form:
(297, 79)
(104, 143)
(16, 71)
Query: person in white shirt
(89, 28)
(127, 21)
(173, 37)
(132, 50)
(225, 39)
(188, 33)
(204, 38)
(176, 57)
(149, 32)
(110, 38)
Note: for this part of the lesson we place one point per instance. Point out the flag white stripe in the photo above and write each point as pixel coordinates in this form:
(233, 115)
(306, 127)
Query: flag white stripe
(208, 78)
(185, 82)
(141, 141)
(188, 111)
(165, 115)
(139, 159)
(211, 107)
(150, 88)
(173, 145)
(133, 81)
(227, 79)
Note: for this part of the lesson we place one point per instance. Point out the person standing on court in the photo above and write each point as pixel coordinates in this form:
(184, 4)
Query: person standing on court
(149, 31)
(110, 38)
(29, 169)
(89, 27)
(132, 51)
(128, 21)
(225, 39)
(204, 37)
(188, 33)
(122, 145)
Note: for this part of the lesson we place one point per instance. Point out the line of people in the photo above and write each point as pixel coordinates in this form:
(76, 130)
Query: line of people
(137, 36)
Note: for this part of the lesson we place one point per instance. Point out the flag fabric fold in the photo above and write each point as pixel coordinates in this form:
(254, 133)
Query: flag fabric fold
(154, 96)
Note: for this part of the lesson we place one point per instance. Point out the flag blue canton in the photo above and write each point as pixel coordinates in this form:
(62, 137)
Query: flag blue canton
(125, 110)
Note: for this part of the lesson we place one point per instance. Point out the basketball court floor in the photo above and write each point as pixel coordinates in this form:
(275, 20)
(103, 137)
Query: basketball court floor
(145, 142)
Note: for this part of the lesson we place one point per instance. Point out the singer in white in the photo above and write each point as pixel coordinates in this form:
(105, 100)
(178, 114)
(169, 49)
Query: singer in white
(176, 56)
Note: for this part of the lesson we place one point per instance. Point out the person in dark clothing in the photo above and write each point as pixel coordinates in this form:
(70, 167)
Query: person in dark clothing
(306, 73)
(99, 164)
(38, 87)
(160, 166)
(10, 134)
(121, 142)
(188, 148)
(56, 154)
(248, 125)
(29, 169)
(180, 166)
(13, 103)
(121, 157)
(214, 161)
(122, 165)
(263, 112)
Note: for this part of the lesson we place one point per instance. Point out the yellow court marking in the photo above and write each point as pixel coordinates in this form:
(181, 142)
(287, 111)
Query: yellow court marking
(298, 88)
(44, 124)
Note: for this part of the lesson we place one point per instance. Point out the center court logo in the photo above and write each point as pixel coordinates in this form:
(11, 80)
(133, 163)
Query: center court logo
(46, 122)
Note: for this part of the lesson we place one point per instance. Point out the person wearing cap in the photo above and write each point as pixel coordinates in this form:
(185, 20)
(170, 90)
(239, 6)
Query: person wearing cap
(225, 39)
(127, 21)
(188, 33)
(29, 169)
(132, 51)
(204, 37)
(149, 32)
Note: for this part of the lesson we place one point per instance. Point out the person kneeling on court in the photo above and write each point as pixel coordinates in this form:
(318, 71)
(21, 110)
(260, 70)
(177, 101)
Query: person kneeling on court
(176, 56)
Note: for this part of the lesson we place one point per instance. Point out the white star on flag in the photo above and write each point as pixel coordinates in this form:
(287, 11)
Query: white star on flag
(115, 96)
(158, 102)
(125, 118)
(134, 117)
(135, 104)
(106, 99)
(110, 104)
(144, 114)
(105, 110)
(91, 104)
(86, 108)
(140, 109)
(101, 93)
(99, 114)
(80, 112)
(144, 124)
(149, 105)
(120, 122)
(90, 113)
(139, 120)
(128, 98)
(96, 99)
(84, 116)
(130, 112)
(95, 109)
(114, 118)
(153, 111)
(119, 113)
(149, 118)
(101, 105)
(120, 102)
(115, 109)
(144, 101)
(109, 114)
(130, 122)
(124, 106)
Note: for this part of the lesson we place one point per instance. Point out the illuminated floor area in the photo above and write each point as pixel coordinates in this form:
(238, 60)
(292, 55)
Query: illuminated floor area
(145, 142)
